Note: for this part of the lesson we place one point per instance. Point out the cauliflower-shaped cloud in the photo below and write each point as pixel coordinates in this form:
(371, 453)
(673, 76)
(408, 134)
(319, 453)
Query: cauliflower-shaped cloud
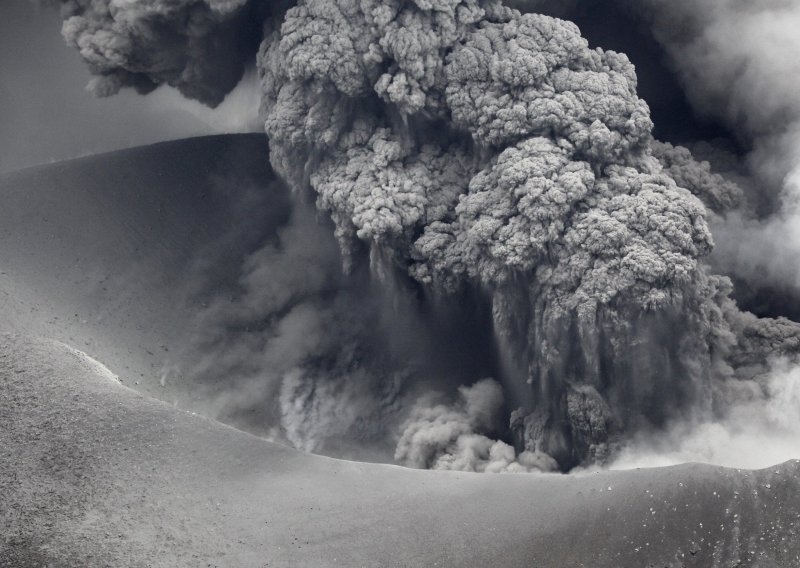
(384, 191)
(536, 76)
(539, 212)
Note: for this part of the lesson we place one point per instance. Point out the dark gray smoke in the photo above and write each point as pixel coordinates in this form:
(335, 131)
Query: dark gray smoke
(329, 362)
(464, 150)
(200, 48)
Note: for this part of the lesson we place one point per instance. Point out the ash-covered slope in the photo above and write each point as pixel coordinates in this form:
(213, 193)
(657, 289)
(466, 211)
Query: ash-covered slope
(117, 253)
(95, 474)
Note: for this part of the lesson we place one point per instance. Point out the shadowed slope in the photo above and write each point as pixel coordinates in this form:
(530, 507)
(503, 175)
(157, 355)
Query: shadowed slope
(116, 253)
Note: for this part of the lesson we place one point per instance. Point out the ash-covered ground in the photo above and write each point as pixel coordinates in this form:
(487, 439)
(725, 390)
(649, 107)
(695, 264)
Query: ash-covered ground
(96, 474)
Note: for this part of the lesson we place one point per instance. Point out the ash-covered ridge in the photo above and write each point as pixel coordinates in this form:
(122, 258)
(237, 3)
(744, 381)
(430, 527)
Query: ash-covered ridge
(463, 148)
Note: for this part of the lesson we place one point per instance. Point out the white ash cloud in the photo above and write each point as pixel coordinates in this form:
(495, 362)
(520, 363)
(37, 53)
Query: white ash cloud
(757, 418)
(737, 59)
(463, 149)
(764, 251)
(760, 428)
(238, 112)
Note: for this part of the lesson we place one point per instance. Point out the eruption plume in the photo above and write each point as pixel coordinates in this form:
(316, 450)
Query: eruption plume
(464, 150)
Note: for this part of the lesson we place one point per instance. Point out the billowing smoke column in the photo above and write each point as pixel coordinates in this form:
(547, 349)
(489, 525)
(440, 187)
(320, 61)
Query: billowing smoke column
(468, 150)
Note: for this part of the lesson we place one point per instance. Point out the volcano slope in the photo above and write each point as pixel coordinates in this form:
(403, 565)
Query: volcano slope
(115, 254)
(110, 257)
(96, 474)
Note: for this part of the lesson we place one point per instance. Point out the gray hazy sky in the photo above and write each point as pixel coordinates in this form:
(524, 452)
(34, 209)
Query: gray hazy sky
(46, 115)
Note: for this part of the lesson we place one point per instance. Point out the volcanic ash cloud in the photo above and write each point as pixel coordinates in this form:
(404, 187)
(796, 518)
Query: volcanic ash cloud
(467, 149)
